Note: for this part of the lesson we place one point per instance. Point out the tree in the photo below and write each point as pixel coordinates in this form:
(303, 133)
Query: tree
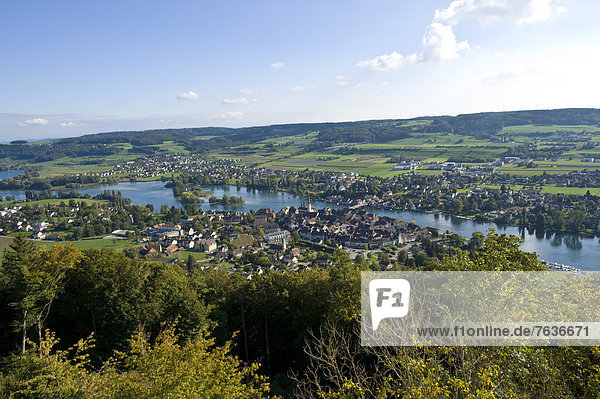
(295, 237)
(17, 258)
(540, 222)
(196, 368)
(359, 259)
(476, 241)
(576, 219)
(110, 295)
(382, 257)
(190, 263)
(498, 253)
(36, 278)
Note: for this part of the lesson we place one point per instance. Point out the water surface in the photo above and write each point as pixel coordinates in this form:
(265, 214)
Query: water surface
(567, 249)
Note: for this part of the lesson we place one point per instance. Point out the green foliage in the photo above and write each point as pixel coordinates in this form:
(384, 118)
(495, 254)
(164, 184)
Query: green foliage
(33, 278)
(163, 369)
(112, 295)
(496, 253)
(302, 325)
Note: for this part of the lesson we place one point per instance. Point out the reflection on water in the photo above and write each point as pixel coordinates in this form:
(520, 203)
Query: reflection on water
(556, 241)
(7, 174)
(573, 242)
(565, 249)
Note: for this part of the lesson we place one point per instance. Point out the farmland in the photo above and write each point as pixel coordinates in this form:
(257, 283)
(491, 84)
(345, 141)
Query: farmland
(543, 142)
(376, 159)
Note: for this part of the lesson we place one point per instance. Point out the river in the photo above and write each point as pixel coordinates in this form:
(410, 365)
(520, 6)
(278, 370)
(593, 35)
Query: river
(581, 252)
(7, 174)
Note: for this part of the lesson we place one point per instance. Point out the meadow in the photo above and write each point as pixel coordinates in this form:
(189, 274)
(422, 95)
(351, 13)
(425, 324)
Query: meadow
(376, 158)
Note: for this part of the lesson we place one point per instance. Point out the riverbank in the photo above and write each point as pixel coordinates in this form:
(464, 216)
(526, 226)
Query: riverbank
(568, 249)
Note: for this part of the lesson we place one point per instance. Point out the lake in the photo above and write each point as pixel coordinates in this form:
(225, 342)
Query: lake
(10, 173)
(568, 249)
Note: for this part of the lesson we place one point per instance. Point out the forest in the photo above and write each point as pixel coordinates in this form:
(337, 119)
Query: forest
(482, 125)
(96, 323)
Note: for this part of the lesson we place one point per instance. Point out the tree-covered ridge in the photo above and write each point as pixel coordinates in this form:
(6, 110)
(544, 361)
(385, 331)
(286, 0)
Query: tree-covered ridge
(481, 125)
(107, 315)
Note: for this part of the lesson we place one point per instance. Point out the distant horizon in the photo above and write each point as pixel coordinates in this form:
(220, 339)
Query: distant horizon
(74, 68)
(33, 140)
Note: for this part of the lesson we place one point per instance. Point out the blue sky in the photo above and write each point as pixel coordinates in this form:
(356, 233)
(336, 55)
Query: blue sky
(76, 67)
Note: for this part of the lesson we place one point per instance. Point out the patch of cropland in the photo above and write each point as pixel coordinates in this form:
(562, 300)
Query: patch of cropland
(365, 146)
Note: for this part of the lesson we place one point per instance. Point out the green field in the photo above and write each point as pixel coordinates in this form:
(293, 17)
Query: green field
(372, 159)
(366, 159)
(289, 152)
(96, 164)
(524, 129)
(551, 189)
(53, 201)
(183, 255)
(95, 243)
(5, 242)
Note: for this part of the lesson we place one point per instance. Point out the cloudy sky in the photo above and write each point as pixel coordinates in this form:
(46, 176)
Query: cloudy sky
(74, 67)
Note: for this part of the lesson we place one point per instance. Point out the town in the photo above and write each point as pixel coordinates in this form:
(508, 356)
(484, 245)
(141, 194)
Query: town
(477, 192)
(291, 239)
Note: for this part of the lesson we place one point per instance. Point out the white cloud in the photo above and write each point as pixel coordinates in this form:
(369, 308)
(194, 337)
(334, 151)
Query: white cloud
(439, 44)
(277, 65)
(384, 62)
(238, 101)
(342, 80)
(228, 115)
(502, 76)
(34, 121)
(537, 79)
(491, 11)
(249, 92)
(297, 89)
(68, 124)
(189, 96)
(361, 84)
(439, 40)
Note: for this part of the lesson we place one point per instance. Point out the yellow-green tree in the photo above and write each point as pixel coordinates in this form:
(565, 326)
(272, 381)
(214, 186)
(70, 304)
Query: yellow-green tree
(163, 369)
(35, 279)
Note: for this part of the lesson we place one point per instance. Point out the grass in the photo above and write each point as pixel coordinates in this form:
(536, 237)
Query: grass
(171, 147)
(548, 129)
(562, 166)
(243, 239)
(552, 189)
(95, 243)
(53, 201)
(368, 159)
(89, 164)
(185, 254)
(5, 242)
(570, 190)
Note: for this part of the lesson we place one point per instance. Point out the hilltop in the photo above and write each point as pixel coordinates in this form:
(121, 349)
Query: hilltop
(362, 145)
